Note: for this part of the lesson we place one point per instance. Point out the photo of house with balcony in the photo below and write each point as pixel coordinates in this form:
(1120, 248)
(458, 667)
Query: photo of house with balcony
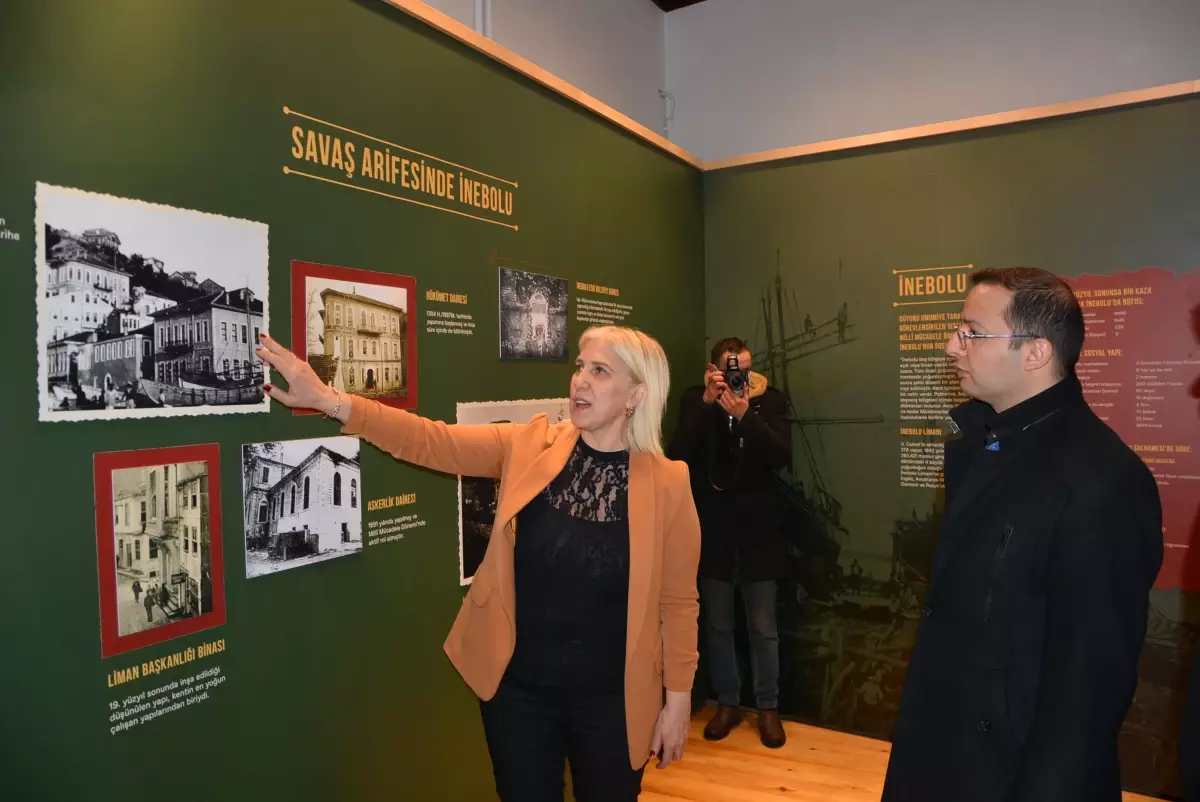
(207, 345)
(163, 567)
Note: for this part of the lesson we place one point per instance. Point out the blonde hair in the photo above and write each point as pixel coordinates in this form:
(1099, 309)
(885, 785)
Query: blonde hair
(647, 363)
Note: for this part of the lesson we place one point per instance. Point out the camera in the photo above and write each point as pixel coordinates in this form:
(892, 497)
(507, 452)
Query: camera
(735, 377)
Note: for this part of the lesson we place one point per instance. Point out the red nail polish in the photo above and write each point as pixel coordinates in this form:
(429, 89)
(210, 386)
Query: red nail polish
(267, 387)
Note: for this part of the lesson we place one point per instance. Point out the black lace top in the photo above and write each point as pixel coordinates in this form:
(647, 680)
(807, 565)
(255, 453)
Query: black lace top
(572, 577)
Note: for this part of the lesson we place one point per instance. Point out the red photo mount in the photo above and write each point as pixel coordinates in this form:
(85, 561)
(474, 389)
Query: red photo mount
(104, 464)
(303, 317)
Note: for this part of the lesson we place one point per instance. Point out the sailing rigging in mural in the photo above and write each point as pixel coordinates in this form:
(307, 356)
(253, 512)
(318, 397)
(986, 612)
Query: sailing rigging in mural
(846, 635)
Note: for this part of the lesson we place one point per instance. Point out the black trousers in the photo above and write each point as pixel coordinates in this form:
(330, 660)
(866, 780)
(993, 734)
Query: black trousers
(533, 732)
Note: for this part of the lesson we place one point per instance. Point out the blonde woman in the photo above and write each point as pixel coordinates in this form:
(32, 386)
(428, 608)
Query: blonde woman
(575, 627)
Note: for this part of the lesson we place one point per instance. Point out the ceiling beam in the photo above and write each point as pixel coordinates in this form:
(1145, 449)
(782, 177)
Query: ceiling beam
(672, 5)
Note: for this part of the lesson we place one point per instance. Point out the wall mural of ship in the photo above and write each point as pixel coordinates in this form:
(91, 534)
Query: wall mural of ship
(846, 638)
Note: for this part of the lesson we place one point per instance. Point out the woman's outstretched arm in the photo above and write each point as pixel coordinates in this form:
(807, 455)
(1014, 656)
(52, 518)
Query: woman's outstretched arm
(463, 450)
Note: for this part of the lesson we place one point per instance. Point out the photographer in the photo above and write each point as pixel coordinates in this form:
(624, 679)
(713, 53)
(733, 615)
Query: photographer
(733, 432)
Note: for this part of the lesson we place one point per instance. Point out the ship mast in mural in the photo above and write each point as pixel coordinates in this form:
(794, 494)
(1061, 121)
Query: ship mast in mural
(808, 338)
(815, 528)
(846, 636)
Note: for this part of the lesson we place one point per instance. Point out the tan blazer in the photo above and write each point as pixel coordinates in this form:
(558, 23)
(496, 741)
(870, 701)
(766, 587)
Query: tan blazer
(664, 549)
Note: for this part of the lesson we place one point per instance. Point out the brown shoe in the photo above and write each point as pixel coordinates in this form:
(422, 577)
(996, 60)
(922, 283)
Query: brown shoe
(722, 723)
(770, 729)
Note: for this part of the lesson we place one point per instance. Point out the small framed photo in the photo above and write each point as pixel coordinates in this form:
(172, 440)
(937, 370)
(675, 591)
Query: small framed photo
(302, 502)
(533, 316)
(158, 545)
(357, 330)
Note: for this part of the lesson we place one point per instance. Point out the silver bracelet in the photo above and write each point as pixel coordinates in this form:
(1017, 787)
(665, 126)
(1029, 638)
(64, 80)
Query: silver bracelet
(337, 407)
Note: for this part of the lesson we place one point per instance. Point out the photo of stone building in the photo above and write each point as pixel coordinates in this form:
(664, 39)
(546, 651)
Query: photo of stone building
(302, 502)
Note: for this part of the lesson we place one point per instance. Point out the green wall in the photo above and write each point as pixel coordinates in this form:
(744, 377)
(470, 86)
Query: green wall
(337, 686)
(1091, 194)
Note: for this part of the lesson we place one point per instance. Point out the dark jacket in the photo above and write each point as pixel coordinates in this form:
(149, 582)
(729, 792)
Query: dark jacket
(733, 482)
(1188, 751)
(1026, 661)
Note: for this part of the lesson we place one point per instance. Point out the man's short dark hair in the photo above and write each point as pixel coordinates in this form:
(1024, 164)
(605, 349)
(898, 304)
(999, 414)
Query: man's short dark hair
(1042, 305)
(724, 346)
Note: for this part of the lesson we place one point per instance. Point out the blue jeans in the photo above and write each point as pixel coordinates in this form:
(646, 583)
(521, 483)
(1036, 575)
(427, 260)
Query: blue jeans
(764, 641)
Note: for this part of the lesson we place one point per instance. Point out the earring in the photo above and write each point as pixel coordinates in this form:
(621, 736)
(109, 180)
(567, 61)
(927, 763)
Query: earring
(629, 412)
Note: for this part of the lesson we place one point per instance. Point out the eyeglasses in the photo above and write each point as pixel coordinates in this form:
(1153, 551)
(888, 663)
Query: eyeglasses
(965, 336)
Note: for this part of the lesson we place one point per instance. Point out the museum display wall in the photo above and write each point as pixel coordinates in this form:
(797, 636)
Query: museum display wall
(211, 596)
(851, 270)
(208, 595)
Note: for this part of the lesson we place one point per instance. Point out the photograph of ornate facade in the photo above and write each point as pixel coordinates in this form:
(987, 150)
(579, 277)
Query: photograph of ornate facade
(533, 316)
(356, 329)
(362, 341)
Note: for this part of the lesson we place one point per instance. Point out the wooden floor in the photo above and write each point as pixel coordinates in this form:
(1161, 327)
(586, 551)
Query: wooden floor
(815, 764)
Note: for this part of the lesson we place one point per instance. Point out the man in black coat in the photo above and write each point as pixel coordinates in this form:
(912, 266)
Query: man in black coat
(734, 437)
(1188, 749)
(1026, 661)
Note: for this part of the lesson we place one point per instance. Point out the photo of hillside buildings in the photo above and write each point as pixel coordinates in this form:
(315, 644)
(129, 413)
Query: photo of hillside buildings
(302, 502)
(145, 309)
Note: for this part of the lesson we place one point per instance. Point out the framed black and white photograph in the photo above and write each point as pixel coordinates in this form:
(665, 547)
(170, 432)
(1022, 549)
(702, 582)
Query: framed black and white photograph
(533, 316)
(477, 495)
(146, 310)
(158, 545)
(354, 328)
(302, 502)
